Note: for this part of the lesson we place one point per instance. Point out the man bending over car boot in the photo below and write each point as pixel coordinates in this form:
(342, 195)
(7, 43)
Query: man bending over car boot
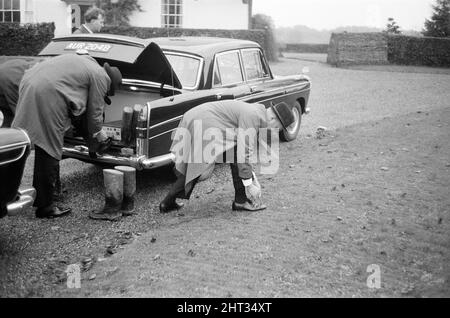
(50, 94)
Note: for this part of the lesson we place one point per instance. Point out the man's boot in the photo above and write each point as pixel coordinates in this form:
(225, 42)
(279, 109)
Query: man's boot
(129, 189)
(113, 196)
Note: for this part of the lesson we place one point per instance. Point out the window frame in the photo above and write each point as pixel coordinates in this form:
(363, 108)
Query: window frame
(11, 11)
(200, 67)
(216, 68)
(177, 15)
(263, 65)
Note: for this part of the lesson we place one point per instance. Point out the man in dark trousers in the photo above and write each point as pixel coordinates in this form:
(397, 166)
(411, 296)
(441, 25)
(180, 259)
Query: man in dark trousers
(11, 73)
(224, 117)
(95, 19)
(50, 94)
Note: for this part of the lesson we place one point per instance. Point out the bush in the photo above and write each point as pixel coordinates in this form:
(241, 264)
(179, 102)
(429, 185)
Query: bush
(428, 51)
(27, 39)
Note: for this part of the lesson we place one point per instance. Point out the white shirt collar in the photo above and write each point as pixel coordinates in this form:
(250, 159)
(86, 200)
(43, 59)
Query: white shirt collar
(86, 27)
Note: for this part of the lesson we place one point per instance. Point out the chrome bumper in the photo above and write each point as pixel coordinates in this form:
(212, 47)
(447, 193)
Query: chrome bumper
(140, 163)
(25, 200)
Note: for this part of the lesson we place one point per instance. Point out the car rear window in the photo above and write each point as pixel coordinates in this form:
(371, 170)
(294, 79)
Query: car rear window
(186, 68)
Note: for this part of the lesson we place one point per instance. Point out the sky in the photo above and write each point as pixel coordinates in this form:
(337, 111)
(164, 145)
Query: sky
(329, 14)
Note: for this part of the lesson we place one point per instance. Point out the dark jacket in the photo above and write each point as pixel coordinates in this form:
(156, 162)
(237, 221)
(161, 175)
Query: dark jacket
(11, 73)
(55, 90)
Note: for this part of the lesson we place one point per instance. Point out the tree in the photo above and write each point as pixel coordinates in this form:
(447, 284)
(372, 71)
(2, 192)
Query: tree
(265, 22)
(439, 24)
(392, 27)
(118, 11)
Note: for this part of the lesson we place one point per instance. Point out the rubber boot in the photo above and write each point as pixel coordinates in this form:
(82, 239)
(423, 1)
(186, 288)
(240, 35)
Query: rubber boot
(113, 196)
(129, 189)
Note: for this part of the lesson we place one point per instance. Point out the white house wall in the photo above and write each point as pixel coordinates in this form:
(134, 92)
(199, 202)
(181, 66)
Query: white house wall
(150, 17)
(197, 14)
(215, 14)
(53, 11)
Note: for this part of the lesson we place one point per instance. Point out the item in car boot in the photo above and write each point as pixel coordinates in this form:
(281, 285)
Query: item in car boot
(126, 128)
(136, 111)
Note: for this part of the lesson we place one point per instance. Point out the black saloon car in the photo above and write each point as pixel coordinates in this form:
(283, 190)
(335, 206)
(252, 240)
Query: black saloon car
(164, 78)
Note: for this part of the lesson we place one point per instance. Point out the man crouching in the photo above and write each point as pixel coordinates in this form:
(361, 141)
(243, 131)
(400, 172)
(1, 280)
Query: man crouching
(222, 117)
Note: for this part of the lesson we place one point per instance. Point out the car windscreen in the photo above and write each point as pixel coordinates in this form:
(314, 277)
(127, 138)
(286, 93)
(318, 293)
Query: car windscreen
(186, 67)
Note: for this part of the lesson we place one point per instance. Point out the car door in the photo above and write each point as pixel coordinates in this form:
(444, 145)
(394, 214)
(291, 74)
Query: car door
(263, 88)
(228, 74)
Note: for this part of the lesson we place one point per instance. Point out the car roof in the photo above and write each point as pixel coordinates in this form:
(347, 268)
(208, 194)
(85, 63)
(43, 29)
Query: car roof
(202, 46)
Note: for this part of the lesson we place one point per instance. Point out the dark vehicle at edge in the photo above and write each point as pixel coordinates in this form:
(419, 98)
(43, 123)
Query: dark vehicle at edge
(14, 150)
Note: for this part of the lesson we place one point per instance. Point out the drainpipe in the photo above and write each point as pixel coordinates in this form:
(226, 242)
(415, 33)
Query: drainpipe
(250, 9)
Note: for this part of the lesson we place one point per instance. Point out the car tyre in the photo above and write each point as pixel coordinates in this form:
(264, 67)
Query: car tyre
(291, 132)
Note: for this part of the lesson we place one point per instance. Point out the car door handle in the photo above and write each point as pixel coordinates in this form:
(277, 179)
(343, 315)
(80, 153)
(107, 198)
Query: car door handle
(253, 88)
(218, 96)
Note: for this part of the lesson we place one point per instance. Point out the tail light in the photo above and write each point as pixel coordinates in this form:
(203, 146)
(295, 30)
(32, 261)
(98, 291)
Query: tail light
(142, 131)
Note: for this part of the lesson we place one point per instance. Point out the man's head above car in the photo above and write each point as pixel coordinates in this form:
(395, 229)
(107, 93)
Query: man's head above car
(95, 19)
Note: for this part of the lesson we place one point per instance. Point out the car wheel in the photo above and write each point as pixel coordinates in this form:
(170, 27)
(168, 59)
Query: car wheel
(291, 132)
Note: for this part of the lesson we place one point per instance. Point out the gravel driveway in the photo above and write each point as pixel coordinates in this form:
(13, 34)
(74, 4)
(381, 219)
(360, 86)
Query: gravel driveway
(374, 190)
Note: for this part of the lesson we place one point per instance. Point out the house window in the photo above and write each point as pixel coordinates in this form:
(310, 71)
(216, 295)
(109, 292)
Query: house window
(9, 10)
(172, 13)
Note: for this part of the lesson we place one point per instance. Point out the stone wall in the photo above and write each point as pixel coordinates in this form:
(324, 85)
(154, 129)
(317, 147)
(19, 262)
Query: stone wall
(357, 48)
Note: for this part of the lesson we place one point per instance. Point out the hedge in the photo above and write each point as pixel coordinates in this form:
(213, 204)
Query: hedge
(428, 51)
(306, 48)
(27, 39)
(259, 36)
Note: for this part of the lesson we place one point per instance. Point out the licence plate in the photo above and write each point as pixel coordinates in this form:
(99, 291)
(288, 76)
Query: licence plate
(113, 132)
(93, 47)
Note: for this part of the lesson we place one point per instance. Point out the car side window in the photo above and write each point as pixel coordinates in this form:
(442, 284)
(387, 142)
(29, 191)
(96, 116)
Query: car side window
(228, 69)
(254, 68)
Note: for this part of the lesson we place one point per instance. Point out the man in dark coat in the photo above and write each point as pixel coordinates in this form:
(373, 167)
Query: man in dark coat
(11, 73)
(50, 94)
(227, 118)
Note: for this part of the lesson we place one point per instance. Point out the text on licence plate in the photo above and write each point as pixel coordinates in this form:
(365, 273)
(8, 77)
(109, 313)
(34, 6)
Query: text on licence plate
(113, 132)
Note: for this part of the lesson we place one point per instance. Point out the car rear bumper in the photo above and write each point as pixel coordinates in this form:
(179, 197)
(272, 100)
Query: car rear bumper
(25, 200)
(140, 163)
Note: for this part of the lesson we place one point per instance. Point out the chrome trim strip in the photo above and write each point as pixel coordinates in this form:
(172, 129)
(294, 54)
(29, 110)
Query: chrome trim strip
(282, 89)
(264, 100)
(131, 82)
(166, 132)
(16, 145)
(25, 200)
(138, 162)
(24, 147)
(166, 122)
